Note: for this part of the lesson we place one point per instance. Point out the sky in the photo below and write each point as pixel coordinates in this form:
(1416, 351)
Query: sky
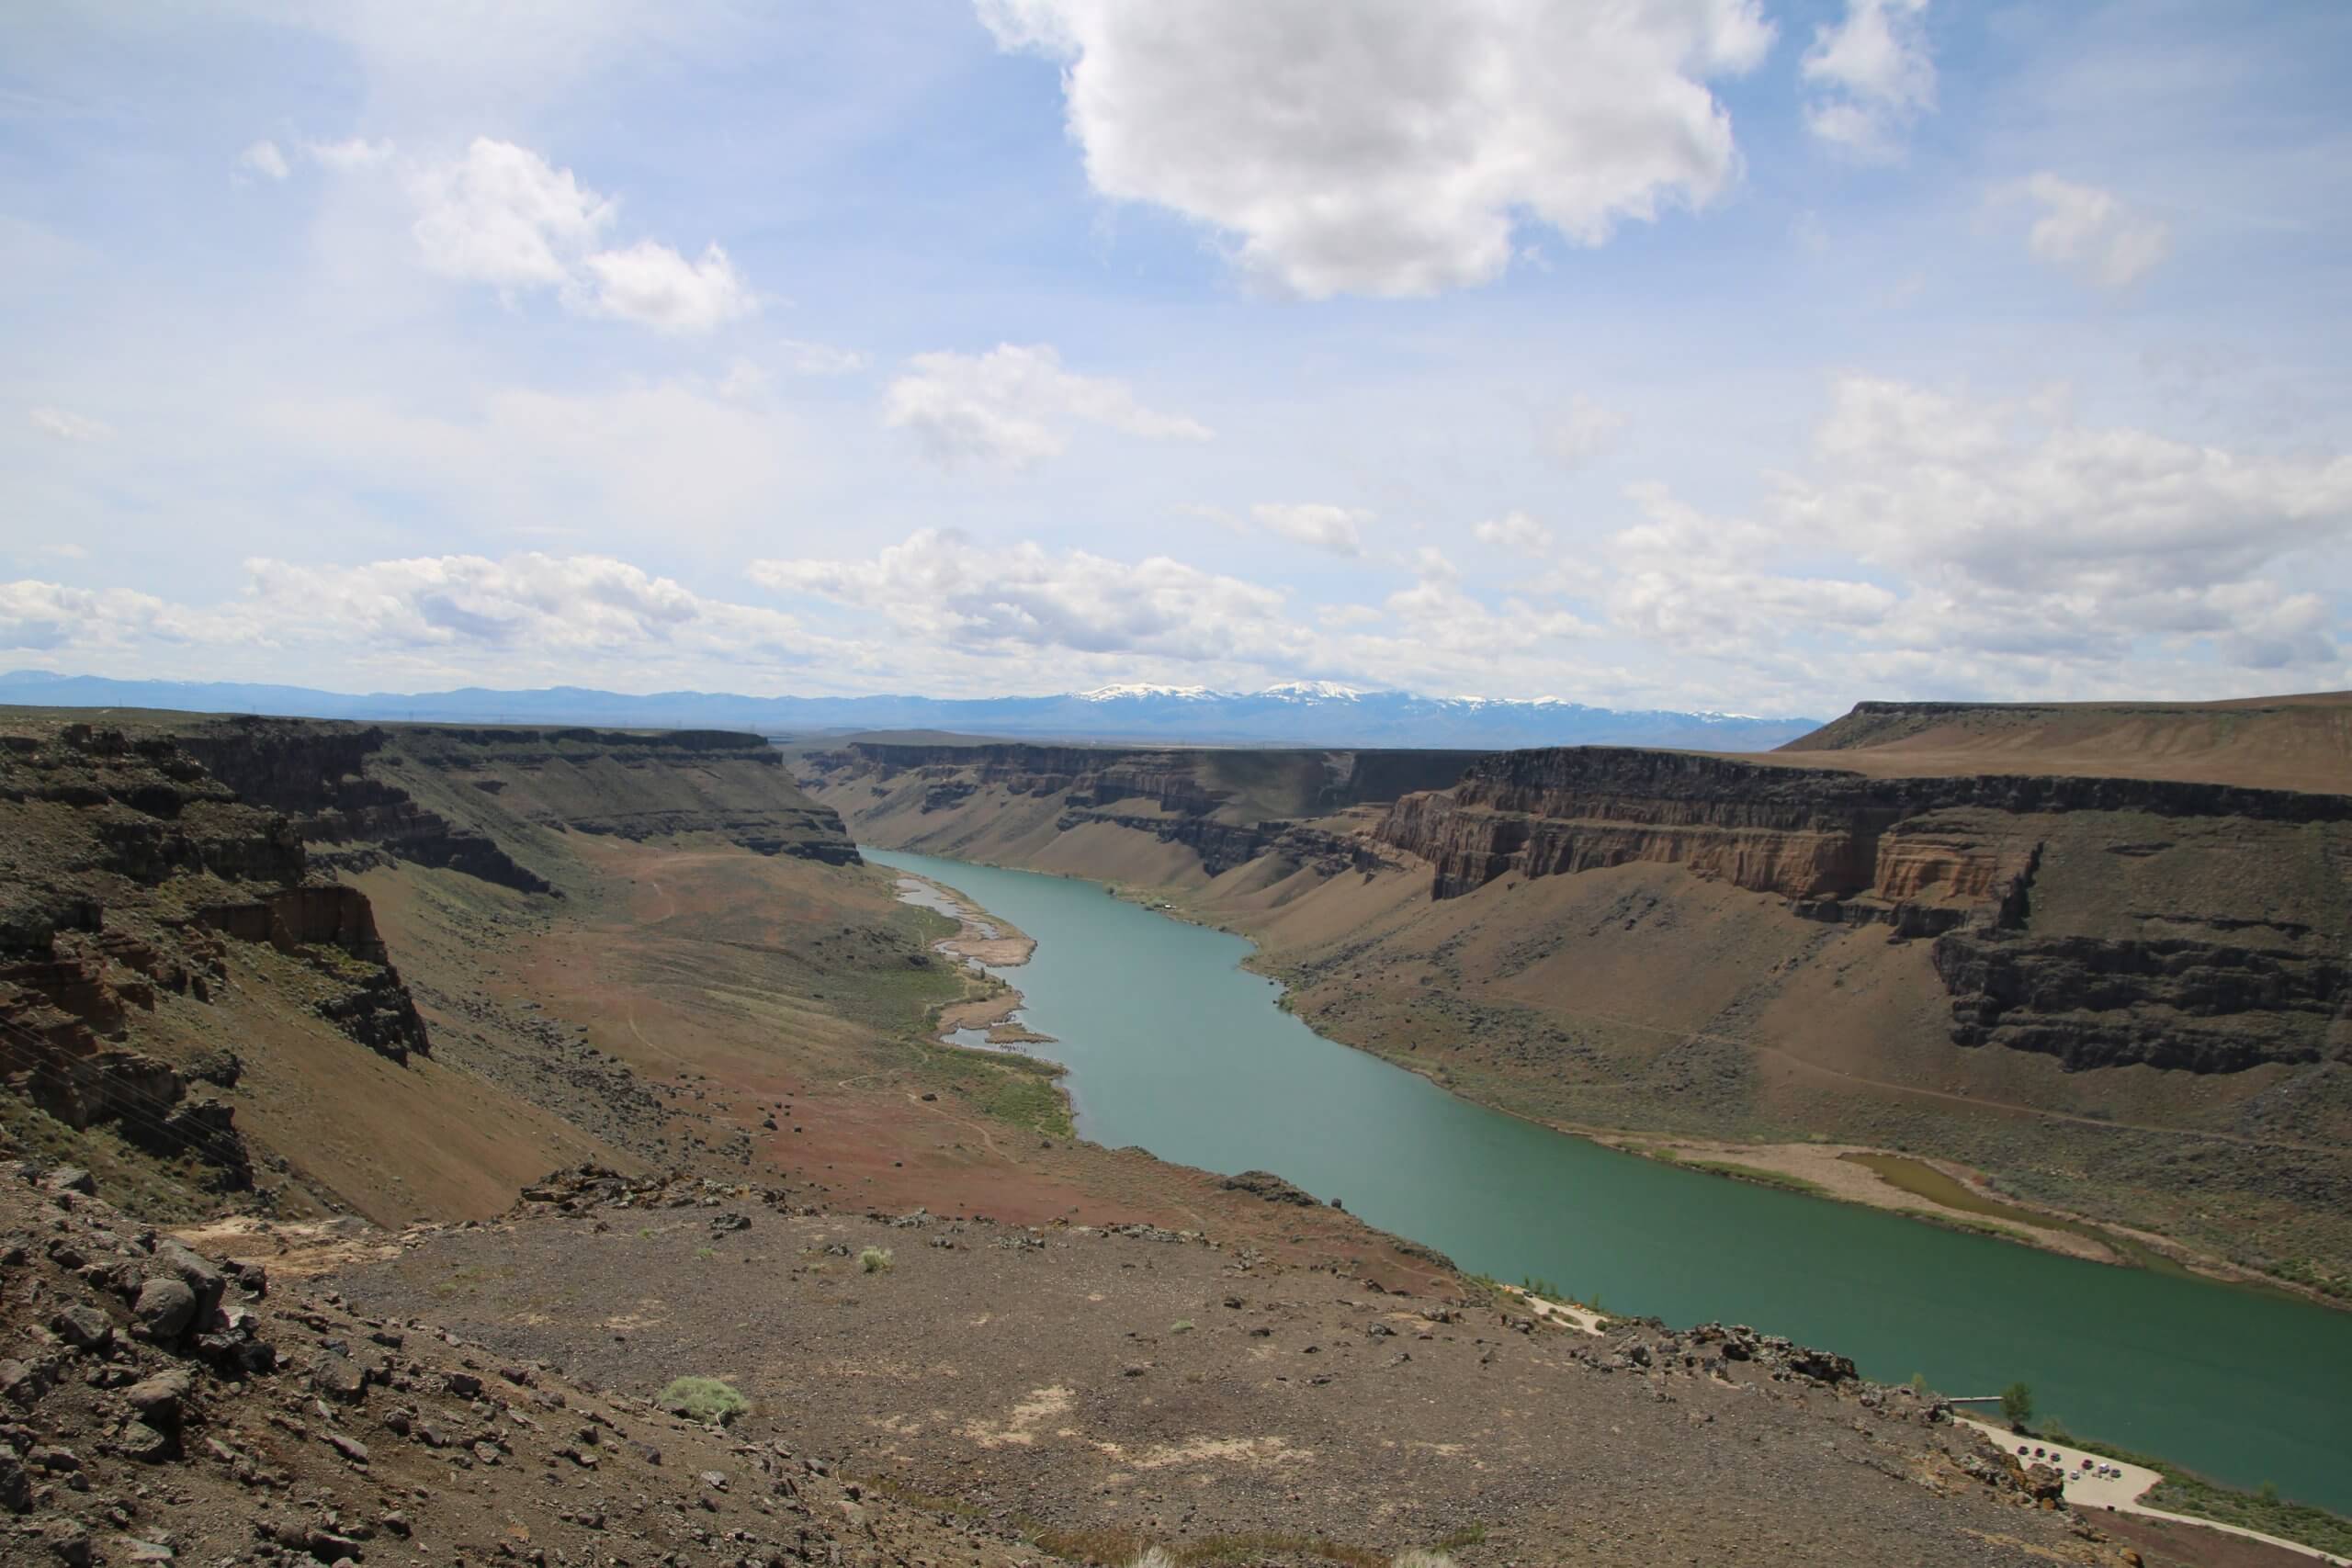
(1696, 353)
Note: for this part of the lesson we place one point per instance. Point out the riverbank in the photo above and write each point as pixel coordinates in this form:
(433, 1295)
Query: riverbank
(1176, 1048)
(1929, 1190)
(984, 944)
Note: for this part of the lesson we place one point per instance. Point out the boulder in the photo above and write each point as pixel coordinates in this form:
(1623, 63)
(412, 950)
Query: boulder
(21, 1382)
(1821, 1365)
(71, 1178)
(1265, 1184)
(158, 1399)
(338, 1378)
(83, 1327)
(164, 1308)
(205, 1280)
(147, 1445)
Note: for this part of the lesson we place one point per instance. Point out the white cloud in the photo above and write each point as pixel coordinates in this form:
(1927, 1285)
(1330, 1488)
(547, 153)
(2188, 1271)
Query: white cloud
(1870, 76)
(1325, 527)
(68, 426)
(1390, 147)
(942, 588)
(653, 286)
(354, 154)
(2016, 499)
(1718, 588)
(1014, 406)
(535, 613)
(2007, 545)
(1581, 432)
(501, 214)
(2093, 233)
(819, 358)
(543, 604)
(262, 158)
(42, 617)
(1515, 532)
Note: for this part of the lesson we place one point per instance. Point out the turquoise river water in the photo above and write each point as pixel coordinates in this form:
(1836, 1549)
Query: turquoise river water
(1172, 1044)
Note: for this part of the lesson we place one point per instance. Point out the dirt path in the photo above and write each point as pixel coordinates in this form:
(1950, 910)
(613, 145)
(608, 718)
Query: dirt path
(2122, 1492)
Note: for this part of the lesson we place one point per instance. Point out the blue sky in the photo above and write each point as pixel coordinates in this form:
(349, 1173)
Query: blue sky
(1689, 353)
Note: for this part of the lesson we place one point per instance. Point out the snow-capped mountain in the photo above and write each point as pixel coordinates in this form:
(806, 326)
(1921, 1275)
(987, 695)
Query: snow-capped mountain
(1294, 712)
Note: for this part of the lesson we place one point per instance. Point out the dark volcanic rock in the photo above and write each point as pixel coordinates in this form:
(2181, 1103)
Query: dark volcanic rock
(1265, 1184)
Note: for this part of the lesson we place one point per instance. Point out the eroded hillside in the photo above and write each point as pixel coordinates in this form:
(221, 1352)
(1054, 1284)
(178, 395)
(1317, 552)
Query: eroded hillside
(264, 957)
(2114, 995)
(402, 971)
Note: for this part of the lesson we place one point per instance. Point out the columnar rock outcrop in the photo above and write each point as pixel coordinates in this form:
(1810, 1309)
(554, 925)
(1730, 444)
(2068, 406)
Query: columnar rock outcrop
(1799, 832)
(2177, 981)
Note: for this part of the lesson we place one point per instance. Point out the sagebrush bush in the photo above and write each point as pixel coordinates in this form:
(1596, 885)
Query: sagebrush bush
(875, 1260)
(704, 1399)
(1419, 1558)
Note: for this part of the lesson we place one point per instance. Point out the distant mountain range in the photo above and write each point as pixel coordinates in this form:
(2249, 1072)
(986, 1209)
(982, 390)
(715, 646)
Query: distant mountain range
(1300, 713)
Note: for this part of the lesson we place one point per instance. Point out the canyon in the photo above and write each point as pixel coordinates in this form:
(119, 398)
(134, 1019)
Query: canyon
(2092, 957)
(324, 998)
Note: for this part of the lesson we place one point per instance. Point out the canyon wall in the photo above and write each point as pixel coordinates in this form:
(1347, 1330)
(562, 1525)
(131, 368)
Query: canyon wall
(1227, 808)
(637, 786)
(366, 794)
(2127, 947)
(129, 869)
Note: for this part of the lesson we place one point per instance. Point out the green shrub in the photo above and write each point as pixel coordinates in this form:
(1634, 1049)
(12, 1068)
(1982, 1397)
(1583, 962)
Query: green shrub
(704, 1399)
(875, 1260)
(2017, 1406)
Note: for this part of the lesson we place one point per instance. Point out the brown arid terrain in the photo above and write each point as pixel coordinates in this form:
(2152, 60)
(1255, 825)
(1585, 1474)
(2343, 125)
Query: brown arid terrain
(2302, 742)
(295, 1014)
(2086, 967)
(917, 1390)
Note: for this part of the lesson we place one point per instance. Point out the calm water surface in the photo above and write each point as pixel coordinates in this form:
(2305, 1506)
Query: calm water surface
(1172, 1045)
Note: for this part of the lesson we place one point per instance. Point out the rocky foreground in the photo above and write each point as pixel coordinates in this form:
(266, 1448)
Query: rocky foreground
(967, 1392)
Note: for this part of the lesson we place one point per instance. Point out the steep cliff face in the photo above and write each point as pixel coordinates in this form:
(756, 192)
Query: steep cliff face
(1235, 785)
(2128, 946)
(322, 776)
(459, 797)
(636, 786)
(129, 869)
(1225, 808)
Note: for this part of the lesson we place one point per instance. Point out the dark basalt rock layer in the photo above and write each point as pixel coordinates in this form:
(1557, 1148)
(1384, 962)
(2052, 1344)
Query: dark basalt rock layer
(2079, 918)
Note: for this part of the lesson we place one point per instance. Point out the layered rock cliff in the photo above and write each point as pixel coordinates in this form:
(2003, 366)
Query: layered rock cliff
(623, 784)
(1227, 807)
(2142, 951)
(322, 776)
(128, 871)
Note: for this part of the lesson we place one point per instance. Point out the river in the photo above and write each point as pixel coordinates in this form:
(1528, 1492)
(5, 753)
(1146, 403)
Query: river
(1172, 1045)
